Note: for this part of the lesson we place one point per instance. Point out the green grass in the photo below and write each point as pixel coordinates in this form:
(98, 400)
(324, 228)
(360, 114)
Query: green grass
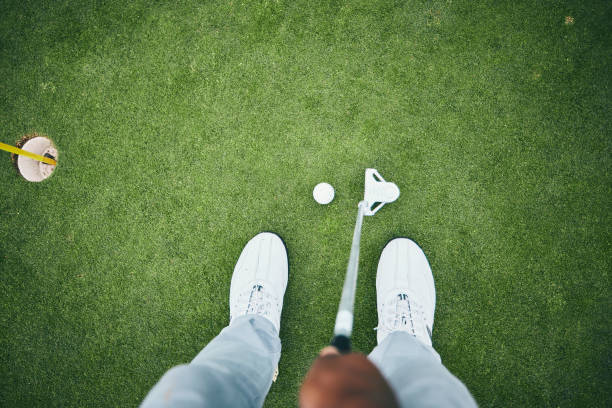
(186, 127)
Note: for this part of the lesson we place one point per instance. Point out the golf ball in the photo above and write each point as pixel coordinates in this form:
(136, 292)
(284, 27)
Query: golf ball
(323, 193)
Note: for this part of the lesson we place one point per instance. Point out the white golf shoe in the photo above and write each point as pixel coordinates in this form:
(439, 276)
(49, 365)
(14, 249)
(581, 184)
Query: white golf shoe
(260, 279)
(405, 292)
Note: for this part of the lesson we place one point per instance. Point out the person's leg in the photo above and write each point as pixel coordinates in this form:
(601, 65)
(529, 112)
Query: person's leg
(234, 369)
(237, 367)
(416, 375)
(406, 303)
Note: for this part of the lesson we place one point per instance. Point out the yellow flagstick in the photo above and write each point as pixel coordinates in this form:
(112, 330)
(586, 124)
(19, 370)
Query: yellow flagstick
(31, 155)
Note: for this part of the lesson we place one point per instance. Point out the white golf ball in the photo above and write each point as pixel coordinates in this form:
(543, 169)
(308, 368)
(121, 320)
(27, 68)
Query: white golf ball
(323, 193)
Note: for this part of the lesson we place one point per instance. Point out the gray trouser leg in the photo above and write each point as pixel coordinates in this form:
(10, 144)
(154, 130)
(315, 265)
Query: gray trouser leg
(234, 370)
(416, 375)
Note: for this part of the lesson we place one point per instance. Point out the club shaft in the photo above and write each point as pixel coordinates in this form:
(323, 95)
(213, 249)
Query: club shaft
(344, 318)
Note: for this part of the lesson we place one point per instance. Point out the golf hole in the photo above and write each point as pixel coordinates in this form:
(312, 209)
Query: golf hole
(30, 169)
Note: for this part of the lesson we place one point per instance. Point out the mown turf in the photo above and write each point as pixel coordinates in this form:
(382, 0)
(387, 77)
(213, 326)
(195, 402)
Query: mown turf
(186, 127)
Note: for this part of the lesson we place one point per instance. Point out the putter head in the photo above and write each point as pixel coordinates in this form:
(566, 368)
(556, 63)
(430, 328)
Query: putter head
(378, 192)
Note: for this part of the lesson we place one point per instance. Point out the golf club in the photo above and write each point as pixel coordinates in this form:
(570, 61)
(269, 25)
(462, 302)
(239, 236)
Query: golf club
(378, 192)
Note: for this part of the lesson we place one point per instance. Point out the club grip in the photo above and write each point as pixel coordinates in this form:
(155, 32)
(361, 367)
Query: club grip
(342, 343)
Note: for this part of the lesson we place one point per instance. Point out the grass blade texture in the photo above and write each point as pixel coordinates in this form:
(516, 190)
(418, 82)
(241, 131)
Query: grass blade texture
(186, 127)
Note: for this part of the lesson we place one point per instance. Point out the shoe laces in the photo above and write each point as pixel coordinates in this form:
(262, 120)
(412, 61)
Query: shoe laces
(260, 301)
(404, 313)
